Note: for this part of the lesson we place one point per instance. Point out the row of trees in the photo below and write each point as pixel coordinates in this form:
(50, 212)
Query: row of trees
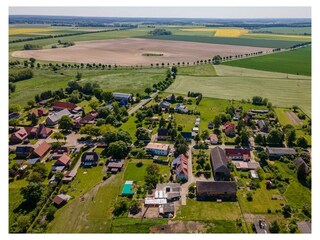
(20, 75)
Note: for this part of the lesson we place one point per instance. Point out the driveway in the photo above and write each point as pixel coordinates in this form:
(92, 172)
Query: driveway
(142, 103)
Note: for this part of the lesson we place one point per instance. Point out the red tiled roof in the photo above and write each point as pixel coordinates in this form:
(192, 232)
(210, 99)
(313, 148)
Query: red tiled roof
(236, 152)
(21, 134)
(42, 149)
(63, 160)
(39, 112)
(64, 105)
(213, 137)
(182, 164)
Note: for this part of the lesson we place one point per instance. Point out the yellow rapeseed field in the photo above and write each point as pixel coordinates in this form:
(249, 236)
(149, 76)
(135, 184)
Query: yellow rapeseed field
(221, 32)
(15, 31)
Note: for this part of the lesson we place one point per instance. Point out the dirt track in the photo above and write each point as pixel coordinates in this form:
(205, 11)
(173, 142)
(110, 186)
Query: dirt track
(129, 51)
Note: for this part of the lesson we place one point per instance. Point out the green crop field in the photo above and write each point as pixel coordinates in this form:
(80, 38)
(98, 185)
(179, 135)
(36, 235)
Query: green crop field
(227, 40)
(285, 30)
(293, 62)
(198, 70)
(118, 80)
(240, 83)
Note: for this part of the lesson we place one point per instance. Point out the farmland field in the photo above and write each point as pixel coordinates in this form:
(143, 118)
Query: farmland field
(228, 40)
(119, 80)
(131, 51)
(240, 83)
(220, 32)
(294, 62)
(285, 30)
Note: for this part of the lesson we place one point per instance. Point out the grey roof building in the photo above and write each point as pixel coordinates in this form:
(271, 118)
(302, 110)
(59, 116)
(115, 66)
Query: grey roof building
(120, 96)
(216, 189)
(219, 163)
(53, 118)
(278, 152)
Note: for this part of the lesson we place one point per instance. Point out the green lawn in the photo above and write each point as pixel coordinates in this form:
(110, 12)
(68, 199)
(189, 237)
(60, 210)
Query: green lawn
(207, 211)
(135, 173)
(294, 62)
(86, 179)
(240, 83)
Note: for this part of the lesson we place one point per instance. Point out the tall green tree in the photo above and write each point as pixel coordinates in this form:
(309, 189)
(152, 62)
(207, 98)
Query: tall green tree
(65, 123)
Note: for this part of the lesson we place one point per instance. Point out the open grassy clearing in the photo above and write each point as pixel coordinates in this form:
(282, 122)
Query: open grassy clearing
(227, 40)
(135, 173)
(294, 62)
(118, 80)
(206, 211)
(238, 83)
(94, 214)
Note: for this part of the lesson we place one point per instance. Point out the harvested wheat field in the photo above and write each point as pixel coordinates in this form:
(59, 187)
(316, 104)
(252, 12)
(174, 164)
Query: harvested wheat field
(133, 51)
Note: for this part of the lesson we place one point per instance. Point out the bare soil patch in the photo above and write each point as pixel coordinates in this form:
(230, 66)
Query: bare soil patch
(294, 119)
(129, 51)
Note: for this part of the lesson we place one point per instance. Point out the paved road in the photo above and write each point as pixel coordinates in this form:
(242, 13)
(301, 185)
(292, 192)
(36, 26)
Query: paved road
(191, 178)
(142, 103)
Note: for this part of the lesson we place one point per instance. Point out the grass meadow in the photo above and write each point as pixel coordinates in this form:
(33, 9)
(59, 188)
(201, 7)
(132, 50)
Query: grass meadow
(239, 83)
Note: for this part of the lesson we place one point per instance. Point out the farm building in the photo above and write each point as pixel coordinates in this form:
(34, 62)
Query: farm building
(53, 118)
(181, 108)
(89, 159)
(89, 118)
(122, 96)
(69, 176)
(127, 189)
(162, 134)
(153, 202)
(158, 149)
(299, 161)
(165, 105)
(238, 154)
(279, 152)
(245, 166)
(61, 199)
(64, 161)
(115, 165)
(216, 190)
(58, 106)
(14, 115)
(219, 163)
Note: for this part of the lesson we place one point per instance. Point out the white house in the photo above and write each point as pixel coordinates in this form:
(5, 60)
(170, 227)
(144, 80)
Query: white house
(158, 148)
